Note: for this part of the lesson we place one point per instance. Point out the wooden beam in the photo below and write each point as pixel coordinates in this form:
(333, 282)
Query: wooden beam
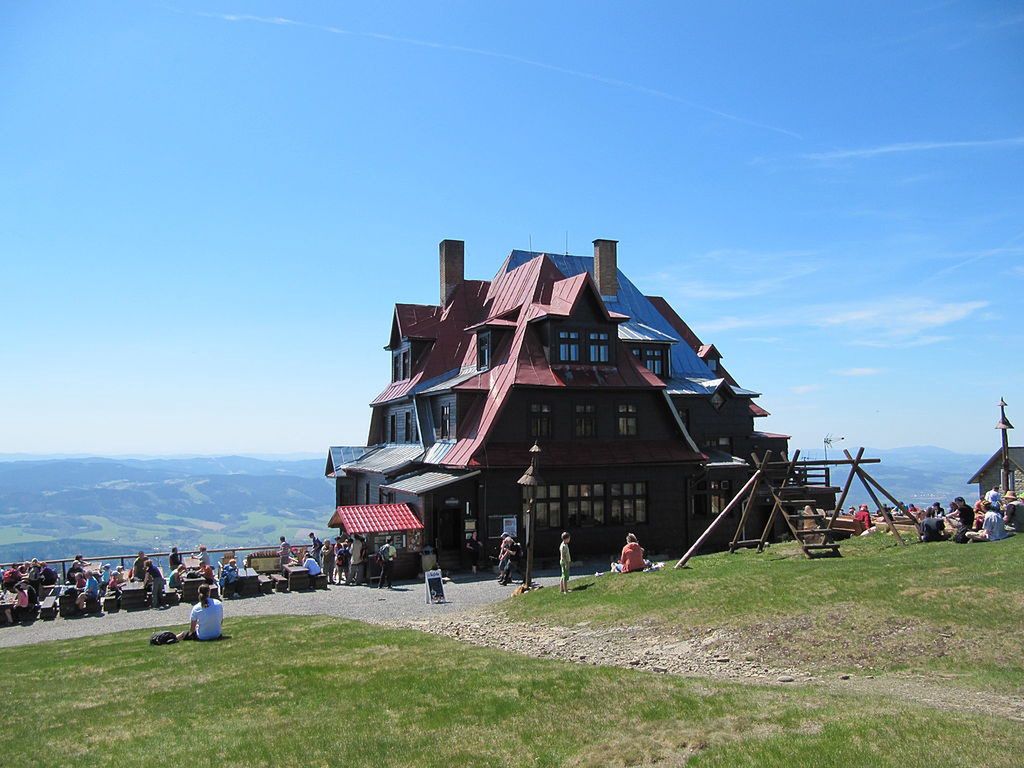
(776, 505)
(893, 499)
(746, 509)
(721, 516)
(881, 508)
(846, 488)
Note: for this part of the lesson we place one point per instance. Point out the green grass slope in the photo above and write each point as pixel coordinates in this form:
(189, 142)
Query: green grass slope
(312, 691)
(951, 609)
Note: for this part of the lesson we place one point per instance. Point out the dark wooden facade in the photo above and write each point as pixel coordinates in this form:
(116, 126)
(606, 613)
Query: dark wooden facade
(641, 429)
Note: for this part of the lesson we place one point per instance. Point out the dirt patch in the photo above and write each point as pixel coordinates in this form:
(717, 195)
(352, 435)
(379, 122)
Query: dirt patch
(731, 654)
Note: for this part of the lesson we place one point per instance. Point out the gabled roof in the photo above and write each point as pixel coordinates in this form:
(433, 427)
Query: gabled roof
(1016, 460)
(452, 345)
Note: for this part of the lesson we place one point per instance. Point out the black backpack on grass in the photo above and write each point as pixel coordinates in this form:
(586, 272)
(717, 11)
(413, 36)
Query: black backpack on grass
(163, 638)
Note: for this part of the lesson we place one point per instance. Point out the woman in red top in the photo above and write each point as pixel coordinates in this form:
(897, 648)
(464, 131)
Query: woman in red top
(632, 557)
(863, 516)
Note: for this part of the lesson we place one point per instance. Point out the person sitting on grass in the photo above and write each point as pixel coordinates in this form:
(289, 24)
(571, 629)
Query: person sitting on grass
(992, 526)
(229, 579)
(980, 508)
(863, 517)
(932, 527)
(632, 557)
(88, 591)
(206, 617)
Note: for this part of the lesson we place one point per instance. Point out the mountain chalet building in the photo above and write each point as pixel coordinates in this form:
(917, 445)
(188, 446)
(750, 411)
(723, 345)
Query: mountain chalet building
(641, 428)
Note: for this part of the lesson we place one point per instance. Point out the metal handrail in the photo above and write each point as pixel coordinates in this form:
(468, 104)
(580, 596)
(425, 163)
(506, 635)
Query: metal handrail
(130, 557)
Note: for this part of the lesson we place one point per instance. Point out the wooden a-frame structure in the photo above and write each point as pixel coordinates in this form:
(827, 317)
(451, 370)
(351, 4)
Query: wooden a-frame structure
(790, 486)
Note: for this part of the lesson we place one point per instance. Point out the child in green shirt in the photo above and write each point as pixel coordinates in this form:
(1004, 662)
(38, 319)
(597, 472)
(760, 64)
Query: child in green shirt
(564, 560)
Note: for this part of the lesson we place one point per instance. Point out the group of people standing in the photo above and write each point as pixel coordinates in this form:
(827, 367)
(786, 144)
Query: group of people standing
(345, 560)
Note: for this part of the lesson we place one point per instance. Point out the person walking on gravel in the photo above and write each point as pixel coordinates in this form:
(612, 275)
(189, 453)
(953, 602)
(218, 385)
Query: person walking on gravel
(357, 563)
(564, 560)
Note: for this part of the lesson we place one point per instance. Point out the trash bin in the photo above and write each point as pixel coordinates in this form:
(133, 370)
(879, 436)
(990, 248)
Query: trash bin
(428, 559)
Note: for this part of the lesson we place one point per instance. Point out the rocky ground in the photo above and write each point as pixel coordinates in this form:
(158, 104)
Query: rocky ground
(715, 654)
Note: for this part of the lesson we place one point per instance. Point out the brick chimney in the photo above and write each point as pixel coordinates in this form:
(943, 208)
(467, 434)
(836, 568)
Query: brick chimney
(606, 268)
(453, 257)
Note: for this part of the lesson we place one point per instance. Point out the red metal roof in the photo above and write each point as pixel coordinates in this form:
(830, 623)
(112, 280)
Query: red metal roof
(375, 518)
(757, 411)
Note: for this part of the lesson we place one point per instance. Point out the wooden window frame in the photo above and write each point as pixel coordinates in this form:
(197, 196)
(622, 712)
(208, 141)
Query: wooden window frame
(583, 414)
(594, 501)
(540, 415)
(595, 347)
(624, 418)
(568, 345)
(628, 503)
(549, 500)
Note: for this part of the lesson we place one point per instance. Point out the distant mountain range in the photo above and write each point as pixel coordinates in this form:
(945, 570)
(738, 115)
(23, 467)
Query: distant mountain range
(54, 507)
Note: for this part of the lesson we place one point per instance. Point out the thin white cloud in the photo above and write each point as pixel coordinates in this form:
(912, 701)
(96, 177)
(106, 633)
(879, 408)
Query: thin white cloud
(910, 146)
(858, 372)
(891, 323)
(739, 274)
(615, 82)
(804, 389)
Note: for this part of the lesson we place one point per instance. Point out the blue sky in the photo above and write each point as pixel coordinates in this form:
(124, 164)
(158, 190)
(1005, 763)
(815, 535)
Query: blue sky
(208, 209)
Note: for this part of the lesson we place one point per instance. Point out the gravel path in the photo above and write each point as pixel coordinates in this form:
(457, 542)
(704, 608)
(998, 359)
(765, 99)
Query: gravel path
(405, 602)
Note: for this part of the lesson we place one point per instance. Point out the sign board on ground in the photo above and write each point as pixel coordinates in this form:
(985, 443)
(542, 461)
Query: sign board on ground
(435, 587)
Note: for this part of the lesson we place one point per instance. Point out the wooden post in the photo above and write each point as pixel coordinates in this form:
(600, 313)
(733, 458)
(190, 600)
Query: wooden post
(776, 506)
(893, 499)
(874, 497)
(721, 516)
(747, 507)
(531, 527)
(846, 488)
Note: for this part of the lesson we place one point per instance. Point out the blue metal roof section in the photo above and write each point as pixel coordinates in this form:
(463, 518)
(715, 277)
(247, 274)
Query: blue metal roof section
(630, 301)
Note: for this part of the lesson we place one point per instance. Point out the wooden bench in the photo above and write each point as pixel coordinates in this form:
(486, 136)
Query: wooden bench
(67, 605)
(266, 584)
(319, 581)
(280, 582)
(171, 597)
(298, 577)
(111, 603)
(48, 608)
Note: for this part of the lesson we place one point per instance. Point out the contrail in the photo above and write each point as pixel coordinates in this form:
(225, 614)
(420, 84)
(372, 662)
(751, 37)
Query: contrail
(636, 87)
(912, 146)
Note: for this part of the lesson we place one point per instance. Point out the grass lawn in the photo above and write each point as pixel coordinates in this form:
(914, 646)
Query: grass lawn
(313, 691)
(952, 609)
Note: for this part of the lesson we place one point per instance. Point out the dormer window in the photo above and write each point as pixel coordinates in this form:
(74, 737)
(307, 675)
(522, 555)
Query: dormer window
(401, 364)
(717, 400)
(712, 364)
(483, 350)
(654, 361)
(597, 346)
(569, 346)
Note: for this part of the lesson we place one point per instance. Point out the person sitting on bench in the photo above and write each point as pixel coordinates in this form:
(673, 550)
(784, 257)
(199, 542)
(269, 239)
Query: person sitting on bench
(206, 618)
(312, 565)
(90, 591)
(229, 585)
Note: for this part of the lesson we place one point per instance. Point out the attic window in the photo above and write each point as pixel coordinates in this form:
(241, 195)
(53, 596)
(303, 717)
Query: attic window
(712, 364)
(569, 346)
(717, 400)
(598, 346)
(401, 365)
(654, 360)
(483, 350)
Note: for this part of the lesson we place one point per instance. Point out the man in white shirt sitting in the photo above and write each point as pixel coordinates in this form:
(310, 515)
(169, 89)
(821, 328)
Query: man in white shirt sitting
(207, 616)
(312, 566)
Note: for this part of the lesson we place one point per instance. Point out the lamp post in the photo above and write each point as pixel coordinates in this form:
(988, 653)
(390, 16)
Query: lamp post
(530, 479)
(1004, 426)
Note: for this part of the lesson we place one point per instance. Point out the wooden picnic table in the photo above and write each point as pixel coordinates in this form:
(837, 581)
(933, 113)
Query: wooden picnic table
(298, 577)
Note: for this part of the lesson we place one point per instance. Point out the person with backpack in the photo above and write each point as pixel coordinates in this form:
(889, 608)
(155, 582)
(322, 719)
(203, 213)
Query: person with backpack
(357, 566)
(229, 579)
(343, 556)
(387, 561)
(206, 618)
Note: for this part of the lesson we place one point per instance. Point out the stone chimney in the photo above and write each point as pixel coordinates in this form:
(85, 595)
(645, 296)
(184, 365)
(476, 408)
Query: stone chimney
(453, 257)
(606, 268)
